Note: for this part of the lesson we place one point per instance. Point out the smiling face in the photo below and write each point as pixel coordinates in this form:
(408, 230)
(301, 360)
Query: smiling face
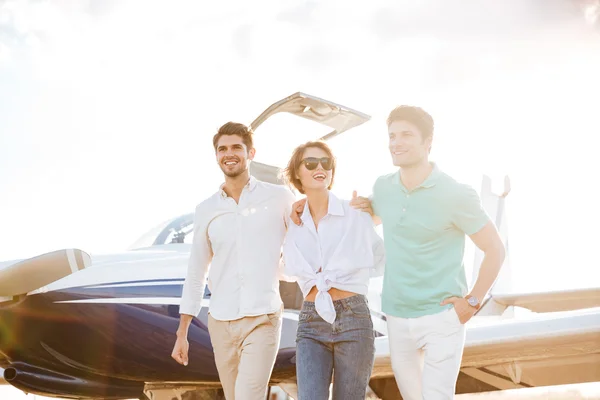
(407, 145)
(233, 155)
(305, 169)
(320, 177)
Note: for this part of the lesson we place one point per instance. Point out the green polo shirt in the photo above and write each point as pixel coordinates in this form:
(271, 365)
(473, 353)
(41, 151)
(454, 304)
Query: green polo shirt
(424, 235)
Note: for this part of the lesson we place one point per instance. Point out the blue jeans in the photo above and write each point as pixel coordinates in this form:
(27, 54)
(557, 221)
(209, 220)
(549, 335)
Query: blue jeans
(345, 349)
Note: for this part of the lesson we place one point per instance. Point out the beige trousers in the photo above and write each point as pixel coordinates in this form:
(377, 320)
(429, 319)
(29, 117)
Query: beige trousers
(245, 351)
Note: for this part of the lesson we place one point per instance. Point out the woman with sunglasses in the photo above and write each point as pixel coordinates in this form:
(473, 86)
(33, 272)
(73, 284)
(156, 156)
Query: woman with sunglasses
(331, 255)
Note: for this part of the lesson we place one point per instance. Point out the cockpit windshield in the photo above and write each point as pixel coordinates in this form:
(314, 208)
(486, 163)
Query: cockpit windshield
(176, 230)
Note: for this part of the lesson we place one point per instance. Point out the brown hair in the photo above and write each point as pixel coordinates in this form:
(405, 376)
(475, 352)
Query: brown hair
(291, 172)
(234, 128)
(416, 116)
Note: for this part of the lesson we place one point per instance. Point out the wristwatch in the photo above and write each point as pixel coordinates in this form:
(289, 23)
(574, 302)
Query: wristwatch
(473, 301)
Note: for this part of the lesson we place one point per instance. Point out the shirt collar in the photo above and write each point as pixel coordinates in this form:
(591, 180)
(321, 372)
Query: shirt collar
(429, 182)
(250, 186)
(432, 178)
(335, 207)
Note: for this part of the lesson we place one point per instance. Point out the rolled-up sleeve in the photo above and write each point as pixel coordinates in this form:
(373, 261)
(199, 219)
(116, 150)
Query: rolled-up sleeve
(198, 265)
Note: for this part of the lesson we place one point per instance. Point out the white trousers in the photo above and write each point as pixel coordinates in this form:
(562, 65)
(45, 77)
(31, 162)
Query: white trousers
(426, 353)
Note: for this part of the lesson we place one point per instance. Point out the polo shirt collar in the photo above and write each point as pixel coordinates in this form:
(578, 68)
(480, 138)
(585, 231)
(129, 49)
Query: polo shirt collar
(429, 182)
(334, 207)
(432, 178)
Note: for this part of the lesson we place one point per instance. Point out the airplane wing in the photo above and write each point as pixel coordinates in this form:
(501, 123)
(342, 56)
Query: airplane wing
(542, 302)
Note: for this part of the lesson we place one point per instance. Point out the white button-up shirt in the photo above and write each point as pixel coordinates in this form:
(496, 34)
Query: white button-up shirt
(343, 253)
(242, 243)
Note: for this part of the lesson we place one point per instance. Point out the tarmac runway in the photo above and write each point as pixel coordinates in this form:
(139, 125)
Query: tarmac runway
(584, 391)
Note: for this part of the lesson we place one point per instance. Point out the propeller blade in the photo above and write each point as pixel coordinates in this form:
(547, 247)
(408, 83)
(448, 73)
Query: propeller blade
(33, 273)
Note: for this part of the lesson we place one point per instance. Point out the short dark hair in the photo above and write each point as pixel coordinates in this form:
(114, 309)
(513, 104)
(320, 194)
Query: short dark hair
(416, 116)
(235, 128)
(291, 171)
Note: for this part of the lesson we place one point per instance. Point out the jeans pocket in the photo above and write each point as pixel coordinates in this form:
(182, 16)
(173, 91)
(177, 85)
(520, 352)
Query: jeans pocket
(306, 315)
(360, 310)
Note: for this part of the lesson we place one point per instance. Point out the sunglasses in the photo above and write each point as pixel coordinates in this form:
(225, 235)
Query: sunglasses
(312, 162)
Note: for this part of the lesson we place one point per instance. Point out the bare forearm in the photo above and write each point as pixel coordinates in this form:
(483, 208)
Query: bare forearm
(185, 321)
(490, 267)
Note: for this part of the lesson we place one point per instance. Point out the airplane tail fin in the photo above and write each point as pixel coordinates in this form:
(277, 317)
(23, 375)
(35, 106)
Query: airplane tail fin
(495, 206)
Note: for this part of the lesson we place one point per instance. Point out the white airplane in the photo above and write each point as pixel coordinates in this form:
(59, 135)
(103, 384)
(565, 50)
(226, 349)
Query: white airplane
(102, 327)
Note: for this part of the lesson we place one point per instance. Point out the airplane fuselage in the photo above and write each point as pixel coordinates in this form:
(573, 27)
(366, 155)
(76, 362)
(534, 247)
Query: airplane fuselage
(117, 331)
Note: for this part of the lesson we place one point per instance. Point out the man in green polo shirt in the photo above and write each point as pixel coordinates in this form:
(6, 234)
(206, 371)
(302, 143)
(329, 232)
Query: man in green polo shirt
(426, 215)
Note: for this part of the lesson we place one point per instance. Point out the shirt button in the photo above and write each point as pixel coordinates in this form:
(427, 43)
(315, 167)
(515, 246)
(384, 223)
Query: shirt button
(404, 209)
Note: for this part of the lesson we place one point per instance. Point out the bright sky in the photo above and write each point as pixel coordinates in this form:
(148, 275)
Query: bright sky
(107, 110)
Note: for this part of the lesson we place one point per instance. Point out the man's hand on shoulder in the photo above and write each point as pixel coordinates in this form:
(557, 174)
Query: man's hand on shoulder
(297, 210)
(363, 204)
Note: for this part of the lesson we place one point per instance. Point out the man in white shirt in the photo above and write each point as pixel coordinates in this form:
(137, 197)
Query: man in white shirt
(239, 231)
